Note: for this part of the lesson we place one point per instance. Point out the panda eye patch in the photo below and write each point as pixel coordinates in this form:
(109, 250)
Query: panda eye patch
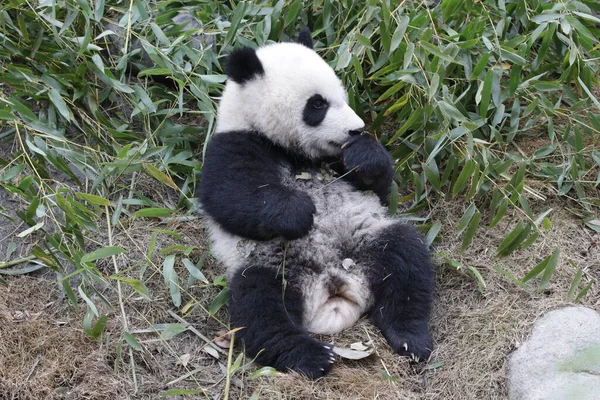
(315, 110)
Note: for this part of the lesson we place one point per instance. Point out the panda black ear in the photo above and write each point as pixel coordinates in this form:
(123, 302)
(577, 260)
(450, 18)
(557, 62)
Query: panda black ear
(305, 38)
(243, 65)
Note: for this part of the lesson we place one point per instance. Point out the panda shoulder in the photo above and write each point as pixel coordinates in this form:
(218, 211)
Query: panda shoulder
(241, 145)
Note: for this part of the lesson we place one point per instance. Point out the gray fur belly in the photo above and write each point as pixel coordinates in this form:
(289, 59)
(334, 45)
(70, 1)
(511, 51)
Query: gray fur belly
(323, 265)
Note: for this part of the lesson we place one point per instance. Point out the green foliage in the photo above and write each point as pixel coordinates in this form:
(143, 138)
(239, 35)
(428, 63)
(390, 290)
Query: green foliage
(97, 93)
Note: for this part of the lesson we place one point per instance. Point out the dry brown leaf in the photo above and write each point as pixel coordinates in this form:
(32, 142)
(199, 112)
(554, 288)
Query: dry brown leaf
(223, 339)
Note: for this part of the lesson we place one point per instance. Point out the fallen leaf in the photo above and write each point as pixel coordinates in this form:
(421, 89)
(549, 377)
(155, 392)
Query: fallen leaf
(362, 346)
(351, 354)
(184, 359)
(223, 339)
(211, 351)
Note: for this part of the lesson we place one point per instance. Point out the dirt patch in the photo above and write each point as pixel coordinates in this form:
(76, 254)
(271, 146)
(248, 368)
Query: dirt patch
(44, 353)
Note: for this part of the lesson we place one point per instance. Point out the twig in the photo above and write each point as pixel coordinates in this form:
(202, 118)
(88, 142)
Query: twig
(191, 328)
(15, 262)
(35, 363)
(121, 305)
(229, 358)
(187, 375)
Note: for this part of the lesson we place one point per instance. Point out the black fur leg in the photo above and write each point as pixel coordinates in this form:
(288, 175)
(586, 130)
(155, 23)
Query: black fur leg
(371, 165)
(403, 287)
(271, 318)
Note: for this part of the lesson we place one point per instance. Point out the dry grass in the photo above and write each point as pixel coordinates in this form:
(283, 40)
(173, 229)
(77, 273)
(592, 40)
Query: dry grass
(45, 354)
(43, 351)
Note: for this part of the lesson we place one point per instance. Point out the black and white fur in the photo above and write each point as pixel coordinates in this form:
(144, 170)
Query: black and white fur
(293, 199)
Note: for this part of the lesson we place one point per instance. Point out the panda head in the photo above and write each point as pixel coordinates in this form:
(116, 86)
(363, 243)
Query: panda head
(287, 92)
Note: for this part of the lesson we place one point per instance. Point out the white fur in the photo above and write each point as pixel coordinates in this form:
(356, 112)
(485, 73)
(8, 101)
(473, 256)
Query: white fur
(273, 103)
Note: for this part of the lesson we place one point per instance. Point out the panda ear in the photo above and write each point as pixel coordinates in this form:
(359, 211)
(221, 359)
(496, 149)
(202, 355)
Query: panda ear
(304, 38)
(243, 65)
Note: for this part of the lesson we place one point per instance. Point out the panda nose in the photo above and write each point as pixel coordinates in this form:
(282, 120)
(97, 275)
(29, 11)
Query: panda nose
(356, 132)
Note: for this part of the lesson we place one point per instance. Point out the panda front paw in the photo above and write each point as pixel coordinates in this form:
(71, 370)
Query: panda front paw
(370, 162)
(294, 216)
(306, 356)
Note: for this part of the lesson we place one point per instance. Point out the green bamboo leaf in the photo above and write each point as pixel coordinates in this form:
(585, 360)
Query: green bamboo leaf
(515, 185)
(486, 93)
(585, 290)
(473, 226)
(293, 12)
(549, 270)
(432, 233)
(412, 119)
(575, 282)
(385, 37)
(194, 271)
(69, 292)
(465, 174)
(154, 212)
(399, 33)
(11, 172)
(219, 301)
(408, 55)
(475, 274)
(171, 331)
(91, 306)
(513, 239)
(463, 222)
(509, 276)
(265, 371)
(93, 199)
(160, 176)
(433, 174)
(479, 67)
(172, 279)
(60, 104)
(132, 341)
(102, 253)
(238, 14)
(530, 240)
(95, 331)
(393, 208)
(391, 91)
(155, 72)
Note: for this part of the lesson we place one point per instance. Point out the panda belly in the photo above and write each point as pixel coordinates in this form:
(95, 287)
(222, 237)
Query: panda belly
(336, 289)
(325, 266)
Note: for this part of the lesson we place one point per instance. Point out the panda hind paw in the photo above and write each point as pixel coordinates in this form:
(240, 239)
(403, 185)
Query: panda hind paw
(308, 357)
(417, 347)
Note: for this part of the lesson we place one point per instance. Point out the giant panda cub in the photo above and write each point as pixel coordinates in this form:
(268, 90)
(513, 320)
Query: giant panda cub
(294, 194)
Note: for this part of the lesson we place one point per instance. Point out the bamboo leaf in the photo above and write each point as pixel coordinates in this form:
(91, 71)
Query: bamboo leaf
(102, 253)
(219, 301)
(473, 226)
(465, 174)
(549, 270)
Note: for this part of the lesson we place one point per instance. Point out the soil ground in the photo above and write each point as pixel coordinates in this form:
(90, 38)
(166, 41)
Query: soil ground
(44, 353)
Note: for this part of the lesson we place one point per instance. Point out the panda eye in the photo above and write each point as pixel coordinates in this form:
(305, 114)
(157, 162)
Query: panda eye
(318, 104)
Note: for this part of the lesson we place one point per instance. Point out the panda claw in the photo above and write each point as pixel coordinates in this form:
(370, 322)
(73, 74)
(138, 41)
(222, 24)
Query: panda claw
(405, 345)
